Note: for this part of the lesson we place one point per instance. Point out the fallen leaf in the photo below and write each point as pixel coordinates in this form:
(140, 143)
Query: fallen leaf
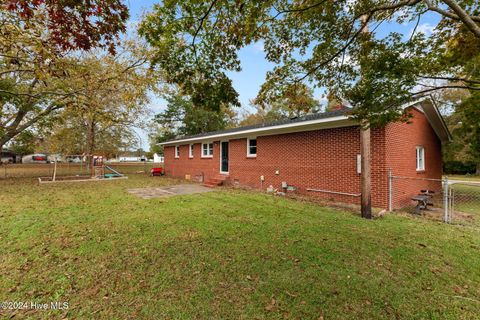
(271, 305)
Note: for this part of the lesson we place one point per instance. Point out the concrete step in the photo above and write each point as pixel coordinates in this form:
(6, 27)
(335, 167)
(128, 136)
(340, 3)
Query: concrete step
(211, 185)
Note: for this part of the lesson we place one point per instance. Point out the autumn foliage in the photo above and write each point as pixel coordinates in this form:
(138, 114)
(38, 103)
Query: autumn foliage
(77, 24)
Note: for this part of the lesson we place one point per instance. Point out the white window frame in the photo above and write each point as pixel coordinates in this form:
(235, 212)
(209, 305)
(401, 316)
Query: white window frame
(207, 155)
(190, 150)
(420, 158)
(177, 152)
(252, 155)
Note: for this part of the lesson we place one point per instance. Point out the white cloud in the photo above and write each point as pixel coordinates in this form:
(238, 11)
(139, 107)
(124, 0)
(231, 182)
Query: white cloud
(258, 47)
(425, 28)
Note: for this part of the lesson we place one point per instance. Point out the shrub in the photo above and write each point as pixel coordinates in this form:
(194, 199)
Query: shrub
(459, 167)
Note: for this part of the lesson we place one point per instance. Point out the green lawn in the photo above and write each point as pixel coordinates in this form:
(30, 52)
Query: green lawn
(467, 199)
(226, 255)
(472, 178)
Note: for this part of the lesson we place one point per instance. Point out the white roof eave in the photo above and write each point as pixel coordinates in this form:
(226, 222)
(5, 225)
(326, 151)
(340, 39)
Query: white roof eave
(333, 122)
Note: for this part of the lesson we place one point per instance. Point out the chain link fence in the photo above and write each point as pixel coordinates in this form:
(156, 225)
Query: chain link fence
(465, 200)
(451, 201)
(66, 169)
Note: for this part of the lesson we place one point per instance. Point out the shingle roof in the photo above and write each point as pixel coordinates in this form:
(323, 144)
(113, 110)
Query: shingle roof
(309, 117)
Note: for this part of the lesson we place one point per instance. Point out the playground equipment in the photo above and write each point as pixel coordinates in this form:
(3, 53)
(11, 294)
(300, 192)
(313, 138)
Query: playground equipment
(92, 168)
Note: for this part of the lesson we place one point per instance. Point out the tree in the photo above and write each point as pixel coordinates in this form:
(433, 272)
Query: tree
(79, 24)
(464, 121)
(31, 74)
(296, 101)
(24, 143)
(464, 124)
(183, 117)
(36, 76)
(316, 40)
(113, 101)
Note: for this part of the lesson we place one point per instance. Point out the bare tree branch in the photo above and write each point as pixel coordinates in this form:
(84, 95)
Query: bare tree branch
(464, 17)
(446, 13)
(422, 92)
(202, 20)
(451, 79)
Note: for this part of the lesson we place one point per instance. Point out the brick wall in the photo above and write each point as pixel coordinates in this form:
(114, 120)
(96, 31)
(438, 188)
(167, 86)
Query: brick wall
(321, 159)
(196, 167)
(402, 140)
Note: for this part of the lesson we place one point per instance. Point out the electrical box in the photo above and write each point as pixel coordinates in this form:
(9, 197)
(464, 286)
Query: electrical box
(284, 185)
(262, 178)
(277, 172)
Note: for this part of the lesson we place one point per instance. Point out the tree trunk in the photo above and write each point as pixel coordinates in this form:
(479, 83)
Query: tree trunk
(90, 138)
(478, 169)
(90, 147)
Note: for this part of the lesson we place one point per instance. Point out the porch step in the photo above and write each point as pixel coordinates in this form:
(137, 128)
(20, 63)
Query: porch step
(216, 181)
(211, 185)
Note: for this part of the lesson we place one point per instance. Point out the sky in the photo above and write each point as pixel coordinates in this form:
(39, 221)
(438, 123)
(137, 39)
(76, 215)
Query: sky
(254, 65)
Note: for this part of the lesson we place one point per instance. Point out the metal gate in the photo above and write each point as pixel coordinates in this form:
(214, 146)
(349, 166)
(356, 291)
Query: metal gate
(464, 197)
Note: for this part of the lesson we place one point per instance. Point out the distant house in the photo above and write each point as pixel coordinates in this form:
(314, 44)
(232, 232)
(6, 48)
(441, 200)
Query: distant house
(318, 154)
(8, 156)
(158, 158)
(131, 159)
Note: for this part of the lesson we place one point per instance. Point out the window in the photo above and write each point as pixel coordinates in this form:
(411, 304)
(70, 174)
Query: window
(207, 150)
(251, 147)
(177, 151)
(190, 153)
(420, 159)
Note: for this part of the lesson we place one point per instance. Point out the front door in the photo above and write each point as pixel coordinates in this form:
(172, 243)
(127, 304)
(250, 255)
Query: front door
(224, 157)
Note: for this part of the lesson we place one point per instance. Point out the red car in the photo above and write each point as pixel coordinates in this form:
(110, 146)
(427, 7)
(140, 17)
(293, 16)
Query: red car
(157, 172)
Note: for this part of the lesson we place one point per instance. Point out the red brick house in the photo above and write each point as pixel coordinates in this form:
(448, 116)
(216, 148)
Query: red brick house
(317, 154)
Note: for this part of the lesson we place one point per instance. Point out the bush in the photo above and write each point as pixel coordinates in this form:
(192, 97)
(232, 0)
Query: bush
(459, 167)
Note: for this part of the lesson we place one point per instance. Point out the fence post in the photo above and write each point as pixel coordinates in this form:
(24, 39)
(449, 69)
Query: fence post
(390, 190)
(445, 200)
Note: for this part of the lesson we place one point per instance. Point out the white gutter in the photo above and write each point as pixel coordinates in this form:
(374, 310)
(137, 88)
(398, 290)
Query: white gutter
(342, 121)
(263, 130)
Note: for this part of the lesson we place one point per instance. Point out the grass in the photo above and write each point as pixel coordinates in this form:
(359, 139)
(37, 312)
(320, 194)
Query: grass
(65, 169)
(472, 178)
(229, 254)
(467, 198)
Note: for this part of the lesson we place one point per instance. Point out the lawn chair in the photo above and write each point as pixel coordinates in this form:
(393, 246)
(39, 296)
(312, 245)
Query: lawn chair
(423, 200)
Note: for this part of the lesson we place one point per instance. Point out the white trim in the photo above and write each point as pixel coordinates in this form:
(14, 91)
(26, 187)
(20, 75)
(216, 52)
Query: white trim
(251, 155)
(190, 150)
(224, 172)
(201, 151)
(420, 155)
(177, 151)
(344, 122)
(324, 123)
